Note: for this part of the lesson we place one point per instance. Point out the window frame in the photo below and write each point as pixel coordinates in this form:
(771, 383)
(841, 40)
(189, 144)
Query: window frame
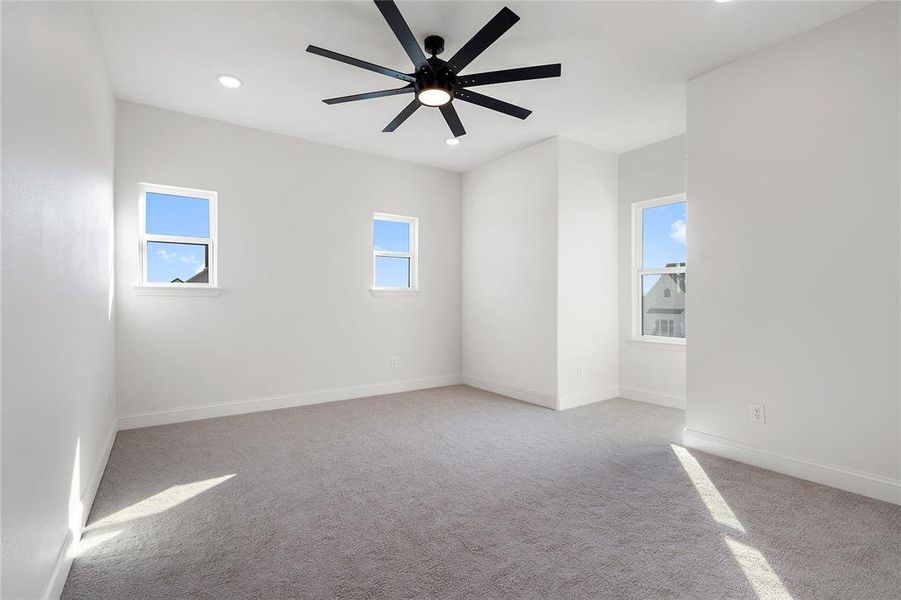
(412, 255)
(638, 270)
(144, 238)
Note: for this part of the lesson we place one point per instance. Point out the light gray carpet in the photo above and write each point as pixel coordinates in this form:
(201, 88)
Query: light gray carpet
(459, 493)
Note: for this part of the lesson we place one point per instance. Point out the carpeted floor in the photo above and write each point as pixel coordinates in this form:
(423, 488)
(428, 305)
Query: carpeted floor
(459, 493)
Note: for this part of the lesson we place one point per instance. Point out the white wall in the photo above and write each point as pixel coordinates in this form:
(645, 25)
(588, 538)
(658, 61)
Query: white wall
(587, 269)
(510, 267)
(539, 264)
(58, 409)
(296, 322)
(794, 255)
(647, 371)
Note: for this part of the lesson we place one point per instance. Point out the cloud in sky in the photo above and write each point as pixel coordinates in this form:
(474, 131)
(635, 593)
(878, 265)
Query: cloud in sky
(171, 256)
(166, 256)
(677, 231)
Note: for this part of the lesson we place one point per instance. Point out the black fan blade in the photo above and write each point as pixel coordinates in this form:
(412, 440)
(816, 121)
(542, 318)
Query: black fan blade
(492, 103)
(403, 116)
(400, 28)
(453, 119)
(508, 75)
(360, 63)
(487, 35)
(368, 95)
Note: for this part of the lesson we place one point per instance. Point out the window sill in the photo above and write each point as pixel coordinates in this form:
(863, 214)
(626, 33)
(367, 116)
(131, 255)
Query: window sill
(171, 290)
(658, 344)
(388, 292)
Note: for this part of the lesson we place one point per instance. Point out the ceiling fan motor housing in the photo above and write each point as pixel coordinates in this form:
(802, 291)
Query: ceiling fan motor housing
(437, 77)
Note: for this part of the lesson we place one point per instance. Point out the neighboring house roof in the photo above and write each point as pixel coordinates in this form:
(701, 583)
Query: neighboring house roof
(201, 276)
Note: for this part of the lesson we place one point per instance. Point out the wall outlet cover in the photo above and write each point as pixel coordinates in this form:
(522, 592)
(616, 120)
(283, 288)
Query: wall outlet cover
(757, 413)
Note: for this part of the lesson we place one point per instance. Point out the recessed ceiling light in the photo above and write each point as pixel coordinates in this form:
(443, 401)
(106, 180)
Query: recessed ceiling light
(721, 1)
(452, 141)
(229, 81)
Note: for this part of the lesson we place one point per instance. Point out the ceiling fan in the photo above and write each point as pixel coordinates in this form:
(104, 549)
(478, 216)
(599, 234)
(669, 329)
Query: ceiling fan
(436, 82)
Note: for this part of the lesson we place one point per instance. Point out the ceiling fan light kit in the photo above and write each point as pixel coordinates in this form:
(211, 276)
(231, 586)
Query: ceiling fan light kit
(437, 83)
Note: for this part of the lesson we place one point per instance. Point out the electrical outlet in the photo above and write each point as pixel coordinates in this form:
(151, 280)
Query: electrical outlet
(394, 362)
(579, 373)
(757, 413)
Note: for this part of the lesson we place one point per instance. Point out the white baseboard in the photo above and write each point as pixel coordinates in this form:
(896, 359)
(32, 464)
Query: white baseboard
(572, 401)
(652, 397)
(239, 407)
(60, 569)
(90, 491)
(539, 398)
(66, 553)
(858, 482)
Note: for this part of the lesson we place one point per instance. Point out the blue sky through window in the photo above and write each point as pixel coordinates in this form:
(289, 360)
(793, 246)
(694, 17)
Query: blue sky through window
(391, 236)
(183, 216)
(392, 272)
(168, 261)
(663, 235)
(177, 215)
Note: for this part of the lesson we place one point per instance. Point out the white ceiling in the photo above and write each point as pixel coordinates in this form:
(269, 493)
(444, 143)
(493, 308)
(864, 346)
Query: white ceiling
(625, 65)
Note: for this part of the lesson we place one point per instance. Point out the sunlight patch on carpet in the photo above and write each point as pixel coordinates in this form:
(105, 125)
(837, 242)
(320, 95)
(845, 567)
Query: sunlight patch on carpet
(91, 541)
(714, 502)
(757, 571)
(162, 501)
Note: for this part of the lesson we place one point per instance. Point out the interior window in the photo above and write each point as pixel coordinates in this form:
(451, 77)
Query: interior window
(659, 275)
(177, 236)
(394, 245)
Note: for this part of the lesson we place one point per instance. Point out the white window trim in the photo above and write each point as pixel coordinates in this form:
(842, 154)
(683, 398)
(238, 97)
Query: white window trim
(413, 255)
(638, 271)
(174, 289)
